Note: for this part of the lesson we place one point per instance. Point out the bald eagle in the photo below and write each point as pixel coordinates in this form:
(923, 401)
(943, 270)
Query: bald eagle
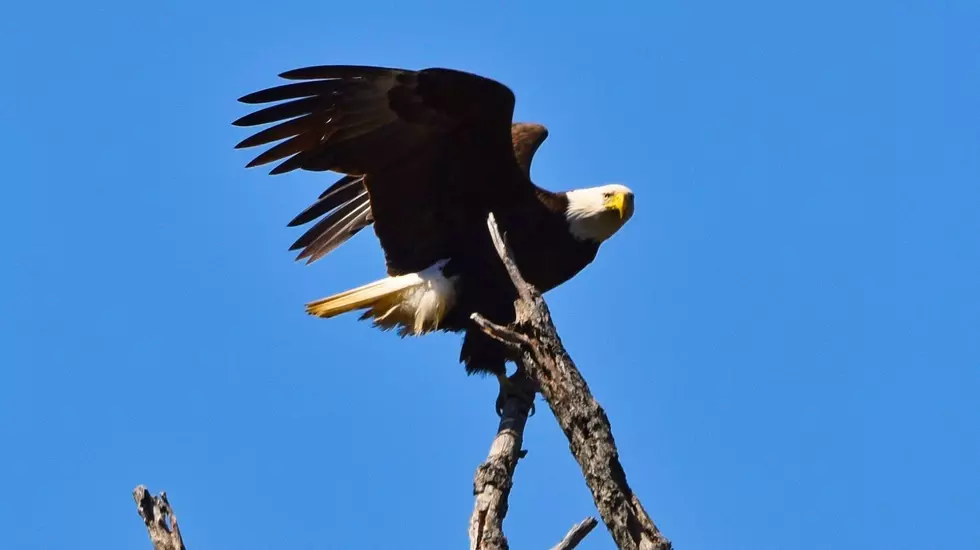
(427, 155)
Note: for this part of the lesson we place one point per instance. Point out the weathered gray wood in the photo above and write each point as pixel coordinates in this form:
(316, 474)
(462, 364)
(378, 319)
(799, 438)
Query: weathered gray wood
(577, 534)
(578, 413)
(495, 477)
(155, 511)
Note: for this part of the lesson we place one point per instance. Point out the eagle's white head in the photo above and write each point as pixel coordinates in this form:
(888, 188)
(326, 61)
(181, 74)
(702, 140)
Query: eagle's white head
(596, 213)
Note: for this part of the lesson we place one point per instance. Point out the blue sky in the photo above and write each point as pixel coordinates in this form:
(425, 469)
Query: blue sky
(785, 336)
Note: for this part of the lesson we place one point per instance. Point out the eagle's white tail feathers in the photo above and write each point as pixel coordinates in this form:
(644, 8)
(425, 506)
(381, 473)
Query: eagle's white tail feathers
(414, 303)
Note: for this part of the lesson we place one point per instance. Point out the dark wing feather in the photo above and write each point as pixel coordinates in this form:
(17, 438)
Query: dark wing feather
(281, 131)
(320, 106)
(334, 230)
(347, 209)
(337, 71)
(432, 147)
(344, 190)
(293, 91)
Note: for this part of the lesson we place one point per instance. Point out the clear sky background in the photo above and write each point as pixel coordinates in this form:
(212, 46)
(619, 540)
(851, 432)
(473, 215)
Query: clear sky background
(786, 336)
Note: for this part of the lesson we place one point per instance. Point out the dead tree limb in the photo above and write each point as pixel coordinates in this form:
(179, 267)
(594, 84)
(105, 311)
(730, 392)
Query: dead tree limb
(155, 511)
(577, 534)
(584, 422)
(495, 476)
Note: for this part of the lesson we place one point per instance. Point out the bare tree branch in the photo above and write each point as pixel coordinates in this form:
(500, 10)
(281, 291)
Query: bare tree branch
(577, 534)
(155, 512)
(495, 477)
(581, 418)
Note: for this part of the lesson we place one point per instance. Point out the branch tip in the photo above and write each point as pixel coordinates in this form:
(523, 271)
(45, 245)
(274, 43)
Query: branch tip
(157, 513)
(500, 333)
(577, 534)
(500, 244)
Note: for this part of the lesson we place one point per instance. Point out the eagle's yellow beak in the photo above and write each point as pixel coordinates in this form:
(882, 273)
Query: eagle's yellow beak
(617, 202)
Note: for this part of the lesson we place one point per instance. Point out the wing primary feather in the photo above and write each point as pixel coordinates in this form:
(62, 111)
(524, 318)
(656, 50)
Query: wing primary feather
(325, 224)
(342, 182)
(322, 207)
(293, 91)
(302, 160)
(297, 144)
(287, 110)
(328, 202)
(338, 71)
(283, 130)
(329, 242)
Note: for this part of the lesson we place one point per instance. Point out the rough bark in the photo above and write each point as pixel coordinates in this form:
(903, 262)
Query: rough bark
(536, 342)
(495, 477)
(156, 511)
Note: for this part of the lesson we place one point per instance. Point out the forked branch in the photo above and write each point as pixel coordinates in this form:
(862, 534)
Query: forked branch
(581, 418)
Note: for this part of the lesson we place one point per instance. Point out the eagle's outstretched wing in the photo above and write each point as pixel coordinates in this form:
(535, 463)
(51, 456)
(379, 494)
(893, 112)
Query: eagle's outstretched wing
(433, 148)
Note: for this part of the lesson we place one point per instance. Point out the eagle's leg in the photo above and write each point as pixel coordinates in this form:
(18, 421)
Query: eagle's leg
(483, 355)
(518, 385)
